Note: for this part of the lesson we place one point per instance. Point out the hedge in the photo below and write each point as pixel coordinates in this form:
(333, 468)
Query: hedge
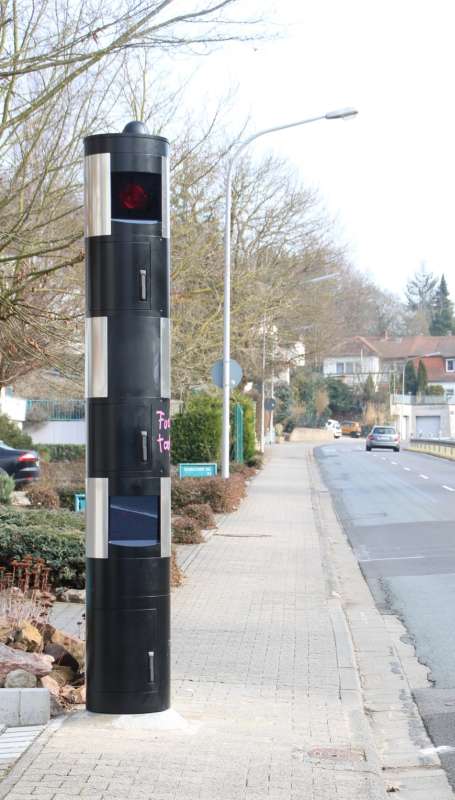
(196, 432)
(11, 434)
(62, 452)
(63, 551)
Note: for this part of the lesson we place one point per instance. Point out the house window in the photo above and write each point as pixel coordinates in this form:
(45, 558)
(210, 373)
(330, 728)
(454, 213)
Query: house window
(340, 368)
(450, 364)
(349, 368)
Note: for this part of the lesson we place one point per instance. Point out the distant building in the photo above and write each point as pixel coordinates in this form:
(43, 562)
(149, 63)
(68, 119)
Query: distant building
(354, 359)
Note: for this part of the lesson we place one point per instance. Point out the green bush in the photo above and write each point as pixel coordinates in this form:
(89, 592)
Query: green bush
(11, 434)
(435, 390)
(66, 495)
(7, 486)
(42, 517)
(62, 452)
(63, 551)
(196, 432)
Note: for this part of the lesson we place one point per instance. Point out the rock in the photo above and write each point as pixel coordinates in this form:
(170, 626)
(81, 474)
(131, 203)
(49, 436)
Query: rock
(73, 695)
(11, 659)
(49, 683)
(19, 646)
(6, 631)
(62, 675)
(74, 646)
(20, 679)
(61, 656)
(30, 636)
(72, 596)
(48, 632)
(57, 708)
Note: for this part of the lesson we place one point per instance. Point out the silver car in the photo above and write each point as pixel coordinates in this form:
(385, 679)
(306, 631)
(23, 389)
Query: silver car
(383, 436)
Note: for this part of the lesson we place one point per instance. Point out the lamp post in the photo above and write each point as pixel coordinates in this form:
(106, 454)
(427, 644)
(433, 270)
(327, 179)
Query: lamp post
(343, 113)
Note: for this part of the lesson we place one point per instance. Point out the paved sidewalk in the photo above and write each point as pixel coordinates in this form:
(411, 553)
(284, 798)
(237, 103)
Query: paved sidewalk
(263, 677)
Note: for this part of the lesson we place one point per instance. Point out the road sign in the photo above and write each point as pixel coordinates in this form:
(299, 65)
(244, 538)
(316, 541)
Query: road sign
(270, 404)
(235, 373)
(207, 470)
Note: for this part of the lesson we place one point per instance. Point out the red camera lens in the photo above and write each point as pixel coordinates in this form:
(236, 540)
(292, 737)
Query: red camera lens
(133, 197)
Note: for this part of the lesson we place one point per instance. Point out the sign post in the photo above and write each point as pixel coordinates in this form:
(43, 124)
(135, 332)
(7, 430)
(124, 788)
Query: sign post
(128, 421)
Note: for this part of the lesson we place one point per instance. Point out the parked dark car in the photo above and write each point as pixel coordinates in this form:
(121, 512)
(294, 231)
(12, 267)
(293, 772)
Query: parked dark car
(22, 465)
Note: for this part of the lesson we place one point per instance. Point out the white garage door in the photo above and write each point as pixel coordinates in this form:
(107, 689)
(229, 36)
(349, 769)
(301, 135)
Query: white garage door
(428, 426)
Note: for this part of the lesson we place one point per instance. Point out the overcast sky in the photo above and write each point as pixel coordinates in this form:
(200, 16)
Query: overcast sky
(388, 176)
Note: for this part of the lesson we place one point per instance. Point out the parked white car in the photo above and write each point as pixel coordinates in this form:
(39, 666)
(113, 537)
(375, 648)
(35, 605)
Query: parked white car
(334, 426)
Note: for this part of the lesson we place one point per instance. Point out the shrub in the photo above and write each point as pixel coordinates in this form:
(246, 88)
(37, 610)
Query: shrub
(256, 461)
(42, 496)
(202, 513)
(435, 390)
(196, 432)
(66, 495)
(186, 530)
(42, 517)
(63, 551)
(222, 495)
(63, 452)
(11, 434)
(7, 486)
(246, 471)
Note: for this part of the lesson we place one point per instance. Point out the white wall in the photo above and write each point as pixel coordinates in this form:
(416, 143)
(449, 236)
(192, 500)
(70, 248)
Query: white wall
(57, 432)
(405, 416)
(14, 407)
(368, 365)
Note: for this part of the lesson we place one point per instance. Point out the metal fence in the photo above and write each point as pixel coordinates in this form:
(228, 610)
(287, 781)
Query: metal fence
(423, 400)
(55, 410)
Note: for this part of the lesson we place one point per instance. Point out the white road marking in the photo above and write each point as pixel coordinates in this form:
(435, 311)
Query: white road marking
(408, 469)
(394, 462)
(391, 558)
(449, 488)
(425, 477)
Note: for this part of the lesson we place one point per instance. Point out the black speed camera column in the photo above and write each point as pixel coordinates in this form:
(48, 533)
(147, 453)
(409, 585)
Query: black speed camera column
(128, 421)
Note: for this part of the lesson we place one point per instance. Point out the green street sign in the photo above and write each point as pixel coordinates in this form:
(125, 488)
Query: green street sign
(208, 470)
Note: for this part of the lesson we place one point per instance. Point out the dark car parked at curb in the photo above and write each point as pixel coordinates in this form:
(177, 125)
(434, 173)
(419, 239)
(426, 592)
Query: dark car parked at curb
(383, 436)
(22, 465)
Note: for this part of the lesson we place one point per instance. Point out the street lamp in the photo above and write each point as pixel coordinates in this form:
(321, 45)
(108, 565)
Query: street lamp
(343, 113)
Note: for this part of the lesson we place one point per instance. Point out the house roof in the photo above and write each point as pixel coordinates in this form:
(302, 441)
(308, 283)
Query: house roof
(405, 347)
(436, 369)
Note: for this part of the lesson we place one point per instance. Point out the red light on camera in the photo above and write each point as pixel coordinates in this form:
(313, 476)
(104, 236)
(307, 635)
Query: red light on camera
(134, 197)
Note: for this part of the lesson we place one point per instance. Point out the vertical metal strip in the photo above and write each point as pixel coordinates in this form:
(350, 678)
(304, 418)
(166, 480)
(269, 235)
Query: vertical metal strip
(96, 355)
(97, 190)
(96, 517)
(165, 517)
(165, 178)
(165, 357)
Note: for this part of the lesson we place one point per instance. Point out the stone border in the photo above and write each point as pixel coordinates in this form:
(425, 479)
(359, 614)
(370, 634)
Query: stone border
(24, 707)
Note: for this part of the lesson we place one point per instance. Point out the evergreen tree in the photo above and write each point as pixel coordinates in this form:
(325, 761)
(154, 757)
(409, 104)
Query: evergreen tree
(422, 379)
(369, 390)
(410, 378)
(442, 322)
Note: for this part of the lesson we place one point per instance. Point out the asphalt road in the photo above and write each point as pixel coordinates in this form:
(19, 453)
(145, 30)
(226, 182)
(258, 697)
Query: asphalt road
(398, 510)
